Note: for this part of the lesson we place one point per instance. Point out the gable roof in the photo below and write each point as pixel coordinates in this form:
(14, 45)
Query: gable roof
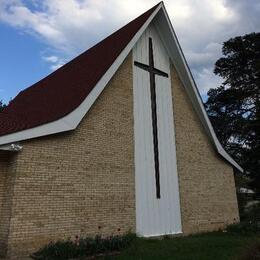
(58, 102)
(65, 89)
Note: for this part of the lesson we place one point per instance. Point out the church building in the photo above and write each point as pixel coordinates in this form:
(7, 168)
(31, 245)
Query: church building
(116, 140)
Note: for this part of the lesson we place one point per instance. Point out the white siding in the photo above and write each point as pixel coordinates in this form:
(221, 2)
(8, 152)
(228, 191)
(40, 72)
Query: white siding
(154, 216)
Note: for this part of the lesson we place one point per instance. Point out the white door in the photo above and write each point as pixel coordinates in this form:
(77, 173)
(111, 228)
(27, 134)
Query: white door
(157, 199)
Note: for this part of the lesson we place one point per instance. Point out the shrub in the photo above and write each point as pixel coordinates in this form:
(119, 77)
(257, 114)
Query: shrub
(250, 222)
(67, 249)
(245, 228)
(253, 213)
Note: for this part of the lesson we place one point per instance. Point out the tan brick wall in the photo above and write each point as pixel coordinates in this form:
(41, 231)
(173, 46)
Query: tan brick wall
(3, 227)
(207, 188)
(7, 178)
(73, 183)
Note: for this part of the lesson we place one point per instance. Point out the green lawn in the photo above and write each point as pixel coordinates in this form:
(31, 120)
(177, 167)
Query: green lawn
(217, 245)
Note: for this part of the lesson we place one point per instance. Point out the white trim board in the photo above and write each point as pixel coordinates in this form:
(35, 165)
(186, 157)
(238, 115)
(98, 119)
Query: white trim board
(168, 35)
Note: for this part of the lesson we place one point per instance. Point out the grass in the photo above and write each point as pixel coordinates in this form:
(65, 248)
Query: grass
(216, 245)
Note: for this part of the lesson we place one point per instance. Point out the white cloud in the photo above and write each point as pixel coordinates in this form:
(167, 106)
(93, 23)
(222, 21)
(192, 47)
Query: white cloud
(205, 79)
(71, 26)
(57, 65)
(54, 61)
(51, 59)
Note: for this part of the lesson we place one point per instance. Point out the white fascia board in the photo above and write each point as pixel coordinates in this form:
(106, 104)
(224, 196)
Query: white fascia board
(172, 45)
(46, 129)
(71, 121)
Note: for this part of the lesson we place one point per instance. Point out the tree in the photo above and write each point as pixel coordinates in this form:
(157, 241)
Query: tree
(234, 107)
(2, 105)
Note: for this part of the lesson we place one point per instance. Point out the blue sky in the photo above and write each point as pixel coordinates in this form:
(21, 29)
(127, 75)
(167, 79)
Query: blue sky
(37, 37)
(20, 61)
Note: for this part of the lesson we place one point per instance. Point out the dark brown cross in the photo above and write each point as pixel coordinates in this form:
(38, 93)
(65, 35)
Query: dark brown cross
(153, 71)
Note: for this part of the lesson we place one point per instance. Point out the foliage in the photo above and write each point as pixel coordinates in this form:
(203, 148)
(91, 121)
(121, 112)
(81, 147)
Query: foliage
(252, 214)
(245, 228)
(83, 247)
(250, 222)
(2, 105)
(234, 107)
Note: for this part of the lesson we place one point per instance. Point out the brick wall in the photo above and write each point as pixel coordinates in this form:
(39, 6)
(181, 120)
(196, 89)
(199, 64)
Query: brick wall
(82, 182)
(75, 183)
(3, 227)
(207, 187)
(7, 178)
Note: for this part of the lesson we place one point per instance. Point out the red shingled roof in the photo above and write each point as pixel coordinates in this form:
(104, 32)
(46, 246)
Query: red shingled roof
(65, 89)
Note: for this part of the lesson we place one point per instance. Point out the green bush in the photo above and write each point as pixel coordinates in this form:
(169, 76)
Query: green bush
(67, 249)
(253, 213)
(250, 222)
(245, 228)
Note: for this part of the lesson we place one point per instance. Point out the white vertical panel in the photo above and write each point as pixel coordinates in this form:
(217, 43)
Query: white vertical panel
(154, 216)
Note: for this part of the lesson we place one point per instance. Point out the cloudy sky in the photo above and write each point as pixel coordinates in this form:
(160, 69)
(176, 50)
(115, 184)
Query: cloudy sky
(39, 36)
